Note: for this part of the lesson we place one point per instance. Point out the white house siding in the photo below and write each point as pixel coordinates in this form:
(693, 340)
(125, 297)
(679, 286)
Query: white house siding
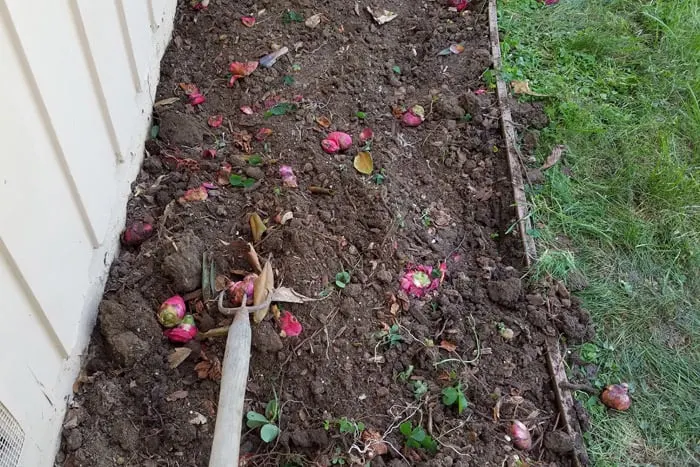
(78, 79)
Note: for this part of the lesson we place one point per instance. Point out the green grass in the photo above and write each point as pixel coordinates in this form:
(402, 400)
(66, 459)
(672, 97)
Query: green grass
(623, 80)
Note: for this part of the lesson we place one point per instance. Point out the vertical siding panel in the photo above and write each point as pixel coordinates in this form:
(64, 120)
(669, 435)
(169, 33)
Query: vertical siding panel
(128, 44)
(158, 10)
(139, 31)
(41, 219)
(100, 22)
(63, 82)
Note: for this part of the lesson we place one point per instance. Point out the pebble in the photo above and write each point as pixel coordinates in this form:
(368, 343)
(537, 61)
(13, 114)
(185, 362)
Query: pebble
(74, 440)
(384, 276)
(254, 172)
(308, 167)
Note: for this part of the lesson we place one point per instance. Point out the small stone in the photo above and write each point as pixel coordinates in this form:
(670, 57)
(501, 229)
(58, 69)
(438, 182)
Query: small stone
(562, 290)
(308, 167)
(559, 442)
(266, 339)
(74, 440)
(384, 276)
(354, 290)
(535, 299)
(383, 392)
(254, 172)
(451, 125)
(566, 303)
(127, 348)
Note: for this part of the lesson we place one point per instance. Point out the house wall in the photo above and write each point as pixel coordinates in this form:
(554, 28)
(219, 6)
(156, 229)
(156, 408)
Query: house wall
(79, 78)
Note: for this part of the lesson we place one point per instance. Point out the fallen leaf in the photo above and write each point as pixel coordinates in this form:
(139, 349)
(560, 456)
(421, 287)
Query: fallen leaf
(181, 394)
(247, 110)
(288, 295)
(363, 163)
(554, 157)
(252, 257)
(374, 442)
(164, 102)
(447, 345)
(248, 21)
(209, 153)
(523, 87)
(263, 286)
(215, 121)
(262, 134)
(222, 176)
(324, 122)
(209, 369)
(257, 227)
(397, 111)
(381, 16)
(177, 356)
(189, 88)
(198, 419)
(194, 194)
(242, 140)
(313, 21)
(220, 283)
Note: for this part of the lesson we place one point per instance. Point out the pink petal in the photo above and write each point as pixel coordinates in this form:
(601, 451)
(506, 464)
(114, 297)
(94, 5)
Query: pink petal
(343, 140)
(209, 154)
(366, 135)
(331, 147)
(288, 177)
(248, 21)
(290, 325)
(209, 186)
(479, 92)
(262, 134)
(197, 98)
(215, 121)
(247, 110)
(231, 81)
(241, 69)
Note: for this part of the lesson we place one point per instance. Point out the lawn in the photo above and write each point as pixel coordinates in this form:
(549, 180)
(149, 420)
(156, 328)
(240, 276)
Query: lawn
(621, 80)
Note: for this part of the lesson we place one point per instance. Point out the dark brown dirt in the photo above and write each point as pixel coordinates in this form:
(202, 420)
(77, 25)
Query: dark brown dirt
(445, 196)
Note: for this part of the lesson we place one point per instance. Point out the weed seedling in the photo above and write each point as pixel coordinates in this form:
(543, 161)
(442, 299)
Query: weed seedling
(453, 395)
(420, 388)
(404, 375)
(379, 177)
(417, 437)
(268, 429)
(391, 337)
(425, 218)
(342, 279)
(353, 427)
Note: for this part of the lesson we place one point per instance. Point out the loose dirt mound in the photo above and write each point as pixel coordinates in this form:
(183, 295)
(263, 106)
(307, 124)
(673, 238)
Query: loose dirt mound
(443, 194)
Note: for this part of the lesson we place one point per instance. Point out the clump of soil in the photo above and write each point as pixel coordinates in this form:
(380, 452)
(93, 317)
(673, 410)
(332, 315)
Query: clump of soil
(443, 195)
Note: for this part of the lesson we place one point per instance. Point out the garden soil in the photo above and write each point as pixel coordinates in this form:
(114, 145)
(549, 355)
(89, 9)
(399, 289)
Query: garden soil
(439, 193)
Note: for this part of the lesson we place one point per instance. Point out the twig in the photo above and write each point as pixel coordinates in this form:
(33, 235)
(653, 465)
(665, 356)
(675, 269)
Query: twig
(461, 360)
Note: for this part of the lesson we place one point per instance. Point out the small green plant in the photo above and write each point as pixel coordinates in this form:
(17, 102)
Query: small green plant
(352, 427)
(342, 279)
(338, 458)
(241, 181)
(291, 16)
(296, 67)
(379, 177)
(420, 388)
(467, 117)
(361, 115)
(425, 218)
(268, 429)
(255, 160)
(288, 80)
(396, 69)
(283, 108)
(390, 337)
(453, 395)
(417, 437)
(405, 374)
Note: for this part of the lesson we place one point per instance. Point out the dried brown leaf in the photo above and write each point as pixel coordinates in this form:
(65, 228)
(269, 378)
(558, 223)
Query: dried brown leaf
(177, 356)
(252, 257)
(264, 285)
(374, 441)
(523, 87)
(257, 227)
(220, 282)
(164, 102)
(181, 394)
(447, 345)
(363, 163)
(554, 157)
(323, 121)
(288, 295)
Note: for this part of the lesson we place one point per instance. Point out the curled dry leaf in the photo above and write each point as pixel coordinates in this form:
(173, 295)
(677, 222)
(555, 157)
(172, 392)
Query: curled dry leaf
(164, 102)
(381, 16)
(374, 442)
(209, 369)
(222, 176)
(523, 87)
(287, 295)
(262, 134)
(252, 257)
(323, 121)
(177, 356)
(220, 283)
(313, 21)
(181, 394)
(189, 88)
(194, 194)
(282, 219)
(257, 227)
(363, 163)
(264, 285)
(447, 345)
(554, 157)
